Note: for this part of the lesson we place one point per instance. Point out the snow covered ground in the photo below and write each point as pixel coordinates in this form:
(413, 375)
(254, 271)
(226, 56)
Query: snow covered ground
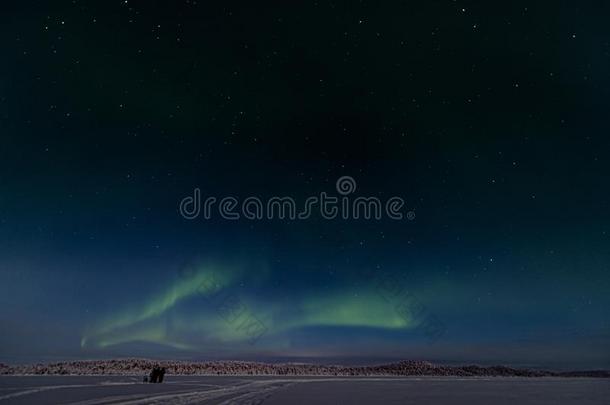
(91, 390)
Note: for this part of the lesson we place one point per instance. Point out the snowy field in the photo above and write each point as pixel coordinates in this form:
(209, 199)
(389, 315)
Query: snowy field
(92, 390)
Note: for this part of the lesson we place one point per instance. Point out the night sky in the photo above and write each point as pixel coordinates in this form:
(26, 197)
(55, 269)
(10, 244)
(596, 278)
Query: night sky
(490, 120)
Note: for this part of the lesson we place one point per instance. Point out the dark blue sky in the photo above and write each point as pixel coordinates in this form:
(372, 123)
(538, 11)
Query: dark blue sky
(488, 121)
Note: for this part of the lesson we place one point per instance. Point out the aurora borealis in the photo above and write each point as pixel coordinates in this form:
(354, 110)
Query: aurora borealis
(161, 320)
(489, 121)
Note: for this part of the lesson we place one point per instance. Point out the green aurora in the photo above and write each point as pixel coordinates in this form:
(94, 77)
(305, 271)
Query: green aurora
(169, 318)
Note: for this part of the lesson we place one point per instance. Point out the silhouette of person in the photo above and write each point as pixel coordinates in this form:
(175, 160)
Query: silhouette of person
(154, 374)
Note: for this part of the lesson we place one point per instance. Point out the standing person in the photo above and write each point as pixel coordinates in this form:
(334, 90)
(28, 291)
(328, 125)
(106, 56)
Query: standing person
(154, 374)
